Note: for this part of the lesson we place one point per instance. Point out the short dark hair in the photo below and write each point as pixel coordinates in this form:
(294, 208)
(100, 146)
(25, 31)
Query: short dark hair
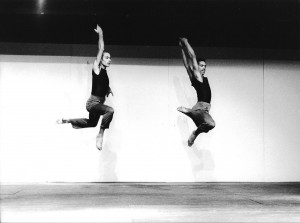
(201, 59)
(105, 52)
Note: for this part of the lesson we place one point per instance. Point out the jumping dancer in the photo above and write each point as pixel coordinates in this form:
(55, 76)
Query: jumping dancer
(200, 111)
(100, 90)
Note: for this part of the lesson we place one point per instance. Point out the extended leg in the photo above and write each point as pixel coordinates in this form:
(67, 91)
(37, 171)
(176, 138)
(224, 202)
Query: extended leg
(194, 115)
(76, 123)
(184, 110)
(79, 123)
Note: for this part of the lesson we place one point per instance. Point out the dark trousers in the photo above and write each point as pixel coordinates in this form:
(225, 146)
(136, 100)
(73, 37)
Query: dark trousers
(201, 117)
(96, 108)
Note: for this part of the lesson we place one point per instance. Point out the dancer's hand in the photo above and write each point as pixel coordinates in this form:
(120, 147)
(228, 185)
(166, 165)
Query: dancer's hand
(182, 39)
(180, 42)
(98, 29)
(112, 94)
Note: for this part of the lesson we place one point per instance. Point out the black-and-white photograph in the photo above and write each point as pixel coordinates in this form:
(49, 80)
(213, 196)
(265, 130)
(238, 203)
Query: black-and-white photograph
(149, 111)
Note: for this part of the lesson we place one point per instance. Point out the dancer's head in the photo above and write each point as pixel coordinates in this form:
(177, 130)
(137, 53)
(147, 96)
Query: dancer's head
(202, 65)
(106, 59)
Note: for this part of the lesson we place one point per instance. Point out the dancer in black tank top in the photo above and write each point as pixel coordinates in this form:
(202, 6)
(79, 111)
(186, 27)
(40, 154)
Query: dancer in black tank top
(100, 90)
(200, 111)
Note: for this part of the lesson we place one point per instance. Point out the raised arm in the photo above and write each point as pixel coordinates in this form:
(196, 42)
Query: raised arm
(189, 59)
(97, 61)
(185, 63)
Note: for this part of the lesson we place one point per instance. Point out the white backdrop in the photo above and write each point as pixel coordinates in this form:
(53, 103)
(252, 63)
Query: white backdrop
(255, 105)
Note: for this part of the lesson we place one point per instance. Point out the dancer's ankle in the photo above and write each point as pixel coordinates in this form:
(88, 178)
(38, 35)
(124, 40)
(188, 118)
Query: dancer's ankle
(192, 138)
(183, 109)
(62, 121)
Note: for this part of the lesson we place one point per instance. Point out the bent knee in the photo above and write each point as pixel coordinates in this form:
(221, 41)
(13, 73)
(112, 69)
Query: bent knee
(93, 124)
(212, 124)
(110, 110)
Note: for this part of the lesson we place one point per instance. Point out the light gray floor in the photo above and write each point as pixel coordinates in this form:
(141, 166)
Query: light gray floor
(151, 202)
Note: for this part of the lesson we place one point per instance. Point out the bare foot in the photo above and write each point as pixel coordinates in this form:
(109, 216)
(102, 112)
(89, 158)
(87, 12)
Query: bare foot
(183, 109)
(61, 121)
(191, 139)
(99, 141)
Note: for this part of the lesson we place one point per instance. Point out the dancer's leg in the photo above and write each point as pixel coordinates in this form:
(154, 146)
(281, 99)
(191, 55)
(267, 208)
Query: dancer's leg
(202, 120)
(78, 123)
(204, 123)
(99, 139)
(184, 110)
(94, 114)
(191, 113)
(107, 113)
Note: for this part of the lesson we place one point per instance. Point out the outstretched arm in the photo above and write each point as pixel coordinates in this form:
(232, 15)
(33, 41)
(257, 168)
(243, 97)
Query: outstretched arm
(189, 58)
(96, 67)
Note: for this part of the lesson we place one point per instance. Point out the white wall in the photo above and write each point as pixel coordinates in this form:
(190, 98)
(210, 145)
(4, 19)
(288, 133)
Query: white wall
(282, 120)
(255, 105)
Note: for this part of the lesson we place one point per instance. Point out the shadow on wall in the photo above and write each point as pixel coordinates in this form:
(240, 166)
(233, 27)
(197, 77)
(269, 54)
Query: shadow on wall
(201, 160)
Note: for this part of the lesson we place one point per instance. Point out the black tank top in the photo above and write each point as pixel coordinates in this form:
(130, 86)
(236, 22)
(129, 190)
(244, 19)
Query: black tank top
(100, 85)
(202, 89)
